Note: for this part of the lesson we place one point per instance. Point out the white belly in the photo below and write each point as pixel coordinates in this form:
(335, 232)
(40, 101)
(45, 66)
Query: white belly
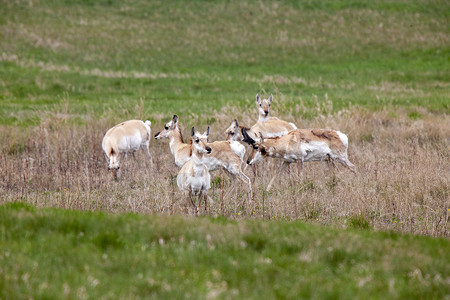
(130, 143)
(314, 151)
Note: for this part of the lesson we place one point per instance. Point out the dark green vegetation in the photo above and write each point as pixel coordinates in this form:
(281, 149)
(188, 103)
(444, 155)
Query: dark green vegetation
(55, 254)
(104, 57)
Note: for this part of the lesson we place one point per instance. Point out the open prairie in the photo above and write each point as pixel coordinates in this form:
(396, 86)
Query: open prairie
(377, 71)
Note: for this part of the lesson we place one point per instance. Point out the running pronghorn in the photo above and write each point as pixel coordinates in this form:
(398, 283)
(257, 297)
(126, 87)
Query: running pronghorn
(300, 145)
(229, 156)
(178, 147)
(125, 137)
(193, 179)
(268, 126)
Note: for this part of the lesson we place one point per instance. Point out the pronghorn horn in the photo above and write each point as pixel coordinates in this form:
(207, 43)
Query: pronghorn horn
(247, 139)
(237, 124)
(261, 136)
(175, 118)
(192, 131)
(207, 131)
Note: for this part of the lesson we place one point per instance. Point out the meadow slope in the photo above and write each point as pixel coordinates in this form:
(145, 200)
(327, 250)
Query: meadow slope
(54, 253)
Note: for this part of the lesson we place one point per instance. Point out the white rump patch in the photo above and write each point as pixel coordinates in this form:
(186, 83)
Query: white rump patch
(343, 138)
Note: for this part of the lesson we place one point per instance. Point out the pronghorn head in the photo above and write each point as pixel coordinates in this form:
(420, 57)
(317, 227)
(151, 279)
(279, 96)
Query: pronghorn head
(168, 128)
(263, 106)
(113, 162)
(199, 141)
(258, 147)
(232, 132)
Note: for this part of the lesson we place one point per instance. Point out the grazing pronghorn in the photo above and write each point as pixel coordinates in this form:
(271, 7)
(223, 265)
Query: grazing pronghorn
(178, 147)
(300, 145)
(268, 126)
(229, 156)
(193, 179)
(125, 137)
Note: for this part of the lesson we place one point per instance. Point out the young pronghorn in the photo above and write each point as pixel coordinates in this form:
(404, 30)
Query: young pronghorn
(229, 156)
(268, 126)
(125, 137)
(193, 179)
(300, 145)
(178, 147)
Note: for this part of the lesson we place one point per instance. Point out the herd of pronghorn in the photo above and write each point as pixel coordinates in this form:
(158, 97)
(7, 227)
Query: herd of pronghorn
(269, 137)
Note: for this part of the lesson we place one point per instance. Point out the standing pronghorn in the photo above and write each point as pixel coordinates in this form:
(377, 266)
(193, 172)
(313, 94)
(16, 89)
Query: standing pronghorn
(193, 179)
(178, 147)
(125, 137)
(300, 145)
(233, 133)
(226, 155)
(268, 126)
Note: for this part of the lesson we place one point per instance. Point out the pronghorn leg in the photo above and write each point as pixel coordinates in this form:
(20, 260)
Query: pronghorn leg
(191, 202)
(331, 164)
(346, 163)
(149, 155)
(233, 183)
(200, 196)
(281, 168)
(247, 180)
(205, 194)
(300, 169)
(187, 195)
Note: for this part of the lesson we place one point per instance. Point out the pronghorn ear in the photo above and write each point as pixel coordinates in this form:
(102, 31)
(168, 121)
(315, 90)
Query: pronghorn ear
(270, 98)
(257, 99)
(247, 139)
(175, 119)
(236, 122)
(192, 131)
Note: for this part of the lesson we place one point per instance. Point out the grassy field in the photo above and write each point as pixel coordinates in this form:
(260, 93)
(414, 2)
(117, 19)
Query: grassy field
(376, 70)
(194, 58)
(55, 254)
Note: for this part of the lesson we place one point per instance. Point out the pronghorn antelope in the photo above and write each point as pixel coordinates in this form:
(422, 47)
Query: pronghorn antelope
(227, 155)
(125, 137)
(268, 126)
(178, 147)
(300, 145)
(233, 133)
(193, 179)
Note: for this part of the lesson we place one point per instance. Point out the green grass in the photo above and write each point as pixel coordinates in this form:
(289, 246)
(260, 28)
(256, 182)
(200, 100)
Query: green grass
(196, 57)
(53, 253)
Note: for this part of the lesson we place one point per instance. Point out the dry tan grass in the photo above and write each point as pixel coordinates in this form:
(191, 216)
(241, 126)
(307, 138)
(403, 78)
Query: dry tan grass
(402, 182)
